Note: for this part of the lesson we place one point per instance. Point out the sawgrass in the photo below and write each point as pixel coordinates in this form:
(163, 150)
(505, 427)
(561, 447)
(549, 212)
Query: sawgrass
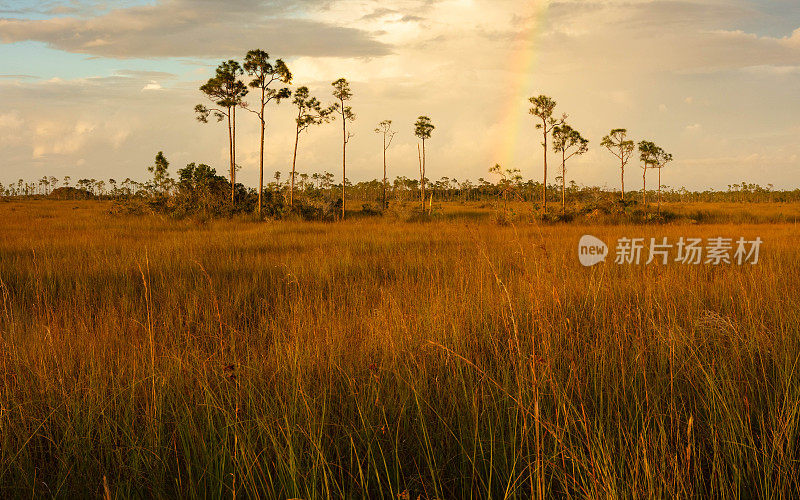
(374, 358)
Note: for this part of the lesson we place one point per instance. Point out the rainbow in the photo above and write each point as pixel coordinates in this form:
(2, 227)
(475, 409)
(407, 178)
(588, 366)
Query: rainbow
(516, 123)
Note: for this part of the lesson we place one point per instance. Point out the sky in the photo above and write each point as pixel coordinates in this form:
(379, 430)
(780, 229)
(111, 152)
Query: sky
(94, 89)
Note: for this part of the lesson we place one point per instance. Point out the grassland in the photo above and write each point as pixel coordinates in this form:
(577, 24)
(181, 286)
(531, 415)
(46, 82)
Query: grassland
(147, 357)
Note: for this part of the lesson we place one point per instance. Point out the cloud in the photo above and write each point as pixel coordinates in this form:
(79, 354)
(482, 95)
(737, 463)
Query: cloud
(792, 40)
(18, 77)
(745, 160)
(53, 7)
(10, 121)
(694, 128)
(773, 70)
(378, 14)
(89, 116)
(161, 75)
(660, 35)
(62, 138)
(11, 124)
(411, 19)
(51, 137)
(153, 85)
(469, 64)
(194, 28)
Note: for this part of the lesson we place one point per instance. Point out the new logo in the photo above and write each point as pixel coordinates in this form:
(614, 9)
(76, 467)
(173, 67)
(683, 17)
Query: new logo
(591, 250)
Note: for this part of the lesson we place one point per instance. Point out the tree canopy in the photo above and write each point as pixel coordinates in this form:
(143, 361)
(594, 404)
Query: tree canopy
(423, 128)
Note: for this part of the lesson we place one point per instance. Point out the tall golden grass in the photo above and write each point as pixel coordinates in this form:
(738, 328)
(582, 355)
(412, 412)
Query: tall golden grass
(458, 359)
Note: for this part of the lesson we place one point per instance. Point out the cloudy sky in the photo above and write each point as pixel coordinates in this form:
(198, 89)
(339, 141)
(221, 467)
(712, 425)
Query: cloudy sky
(95, 88)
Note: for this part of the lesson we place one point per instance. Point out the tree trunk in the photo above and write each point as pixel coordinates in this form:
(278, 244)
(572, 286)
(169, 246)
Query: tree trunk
(423, 175)
(544, 181)
(563, 182)
(233, 171)
(294, 162)
(644, 188)
(344, 158)
(384, 172)
(261, 156)
(421, 190)
(659, 189)
(622, 176)
(261, 167)
(230, 150)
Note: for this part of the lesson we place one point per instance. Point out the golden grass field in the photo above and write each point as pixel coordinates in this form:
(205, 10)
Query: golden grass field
(149, 357)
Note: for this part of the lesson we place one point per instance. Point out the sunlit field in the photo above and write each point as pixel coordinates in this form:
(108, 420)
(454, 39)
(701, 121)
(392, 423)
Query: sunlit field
(454, 358)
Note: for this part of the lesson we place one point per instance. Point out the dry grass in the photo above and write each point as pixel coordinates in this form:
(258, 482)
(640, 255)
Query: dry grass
(147, 357)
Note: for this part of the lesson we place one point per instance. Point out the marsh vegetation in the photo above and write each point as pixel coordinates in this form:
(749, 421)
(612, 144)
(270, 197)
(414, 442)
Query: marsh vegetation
(455, 358)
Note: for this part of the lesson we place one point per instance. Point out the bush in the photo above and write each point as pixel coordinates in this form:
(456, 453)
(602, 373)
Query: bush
(70, 193)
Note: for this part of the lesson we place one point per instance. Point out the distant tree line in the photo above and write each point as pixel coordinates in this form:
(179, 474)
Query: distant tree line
(323, 187)
(199, 189)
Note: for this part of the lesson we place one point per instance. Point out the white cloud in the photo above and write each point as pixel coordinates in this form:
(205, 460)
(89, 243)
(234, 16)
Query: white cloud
(153, 85)
(59, 138)
(11, 124)
(10, 121)
(793, 40)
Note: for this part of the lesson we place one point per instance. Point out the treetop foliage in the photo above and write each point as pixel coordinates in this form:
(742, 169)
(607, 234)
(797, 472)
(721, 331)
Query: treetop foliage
(423, 128)
(385, 128)
(650, 155)
(662, 158)
(618, 144)
(543, 108)
(257, 65)
(342, 92)
(160, 170)
(195, 176)
(565, 138)
(225, 90)
(309, 110)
